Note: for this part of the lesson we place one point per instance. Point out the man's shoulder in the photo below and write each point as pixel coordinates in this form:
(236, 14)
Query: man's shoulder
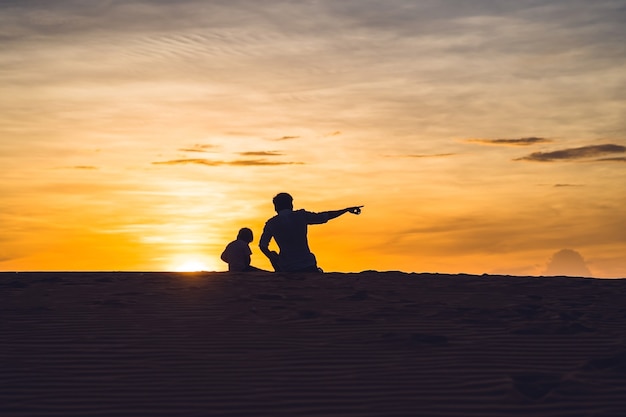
(286, 213)
(271, 219)
(301, 213)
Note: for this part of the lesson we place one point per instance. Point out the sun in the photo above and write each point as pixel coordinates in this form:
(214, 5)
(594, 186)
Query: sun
(190, 266)
(191, 263)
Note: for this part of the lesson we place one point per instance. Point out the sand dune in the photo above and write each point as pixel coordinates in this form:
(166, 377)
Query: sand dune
(365, 344)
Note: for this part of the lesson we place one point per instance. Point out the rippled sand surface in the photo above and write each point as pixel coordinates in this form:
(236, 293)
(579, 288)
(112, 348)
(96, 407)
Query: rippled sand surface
(260, 344)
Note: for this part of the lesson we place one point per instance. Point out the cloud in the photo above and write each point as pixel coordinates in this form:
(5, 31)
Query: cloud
(434, 155)
(287, 138)
(261, 153)
(261, 162)
(198, 161)
(616, 159)
(198, 148)
(583, 152)
(567, 262)
(511, 142)
(82, 167)
(561, 185)
(437, 155)
(213, 163)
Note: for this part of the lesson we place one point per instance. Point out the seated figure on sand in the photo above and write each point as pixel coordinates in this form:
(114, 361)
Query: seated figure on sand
(237, 253)
(289, 230)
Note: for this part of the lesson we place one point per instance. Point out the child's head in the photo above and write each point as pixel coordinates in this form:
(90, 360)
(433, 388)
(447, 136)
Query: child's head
(245, 234)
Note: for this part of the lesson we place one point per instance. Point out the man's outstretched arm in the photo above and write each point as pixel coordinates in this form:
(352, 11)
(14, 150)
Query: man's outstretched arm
(336, 213)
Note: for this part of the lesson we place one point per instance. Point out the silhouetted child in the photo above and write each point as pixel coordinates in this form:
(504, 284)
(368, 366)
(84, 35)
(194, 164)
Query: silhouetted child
(237, 253)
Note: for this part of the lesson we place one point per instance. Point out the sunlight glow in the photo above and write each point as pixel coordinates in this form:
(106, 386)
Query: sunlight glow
(190, 266)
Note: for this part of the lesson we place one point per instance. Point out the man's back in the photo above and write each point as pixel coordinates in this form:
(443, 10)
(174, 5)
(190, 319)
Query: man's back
(289, 229)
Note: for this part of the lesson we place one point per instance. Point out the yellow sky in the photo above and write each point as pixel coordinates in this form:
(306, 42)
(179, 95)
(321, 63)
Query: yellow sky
(483, 139)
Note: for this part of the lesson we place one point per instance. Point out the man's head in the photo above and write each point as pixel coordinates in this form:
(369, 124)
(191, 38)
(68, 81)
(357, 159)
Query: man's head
(283, 201)
(245, 234)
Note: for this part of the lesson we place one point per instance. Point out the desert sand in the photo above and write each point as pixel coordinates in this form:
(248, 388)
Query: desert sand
(261, 344)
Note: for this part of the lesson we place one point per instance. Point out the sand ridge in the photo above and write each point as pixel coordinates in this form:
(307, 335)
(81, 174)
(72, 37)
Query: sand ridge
(260, 344)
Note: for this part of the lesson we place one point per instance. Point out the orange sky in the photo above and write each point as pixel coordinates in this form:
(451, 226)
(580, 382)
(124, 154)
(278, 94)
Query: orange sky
(482, 139)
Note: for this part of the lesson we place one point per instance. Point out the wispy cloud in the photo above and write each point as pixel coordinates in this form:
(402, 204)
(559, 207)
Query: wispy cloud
(510, 142)
(192, 161)
(584, 152)
(213, 163)
(437, 155)
(287, 138)
(81, 167)
(261, 153)
(617, 159)
(198, 148)
(418, 155)
(261, 162)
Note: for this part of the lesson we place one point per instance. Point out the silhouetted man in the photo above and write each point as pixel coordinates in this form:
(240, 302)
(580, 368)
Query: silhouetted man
(289, 230)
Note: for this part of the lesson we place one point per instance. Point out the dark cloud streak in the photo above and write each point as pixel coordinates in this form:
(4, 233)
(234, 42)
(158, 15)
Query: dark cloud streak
(617, 159)
(584, 152)
(261, 162)
(287, 138)
(437, 155)
(198, 148)
(213, 163)
(511, 142)
(261, 153)
(197, 161)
